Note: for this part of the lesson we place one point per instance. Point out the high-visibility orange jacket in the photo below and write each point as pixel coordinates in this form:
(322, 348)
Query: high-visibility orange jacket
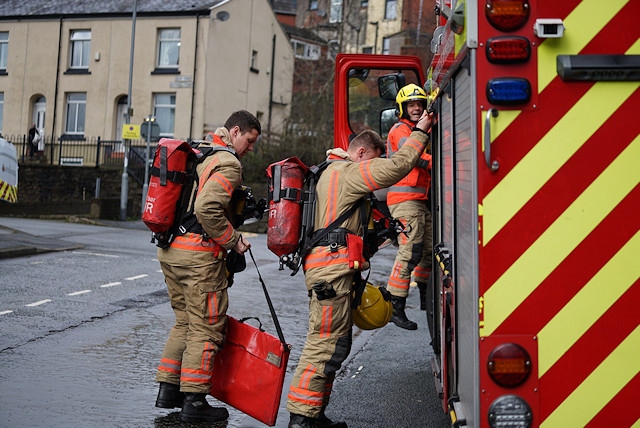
(415, 185)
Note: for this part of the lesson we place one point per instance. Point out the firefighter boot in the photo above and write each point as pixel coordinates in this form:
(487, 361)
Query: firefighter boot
(324, 422)
(399, 318)
(299, 421)
(422, 287)
(169, 396)
(195, 409)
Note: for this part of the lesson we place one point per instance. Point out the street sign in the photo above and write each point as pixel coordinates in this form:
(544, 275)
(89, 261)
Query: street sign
(130, 132)
(155, 131)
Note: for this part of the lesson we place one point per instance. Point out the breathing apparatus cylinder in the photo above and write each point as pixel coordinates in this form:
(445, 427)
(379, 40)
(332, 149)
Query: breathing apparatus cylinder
(286, 183)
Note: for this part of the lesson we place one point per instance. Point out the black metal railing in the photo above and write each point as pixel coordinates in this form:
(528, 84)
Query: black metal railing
(88, 152)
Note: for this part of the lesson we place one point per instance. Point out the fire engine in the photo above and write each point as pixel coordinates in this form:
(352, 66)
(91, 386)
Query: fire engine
(535, 202)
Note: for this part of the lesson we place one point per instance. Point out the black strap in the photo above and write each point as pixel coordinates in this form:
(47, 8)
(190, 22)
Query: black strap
(163, 166)
(318, 237)
(273, 312)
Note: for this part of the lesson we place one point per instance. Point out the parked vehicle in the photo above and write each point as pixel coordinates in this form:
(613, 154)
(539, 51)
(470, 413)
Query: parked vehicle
(8, 172)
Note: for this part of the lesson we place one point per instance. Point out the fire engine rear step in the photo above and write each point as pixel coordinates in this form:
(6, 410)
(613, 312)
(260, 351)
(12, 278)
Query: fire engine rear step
(455, 413)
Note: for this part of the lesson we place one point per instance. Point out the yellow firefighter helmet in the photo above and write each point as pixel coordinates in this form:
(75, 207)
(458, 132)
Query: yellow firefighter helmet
(410, 92)
(374, 310)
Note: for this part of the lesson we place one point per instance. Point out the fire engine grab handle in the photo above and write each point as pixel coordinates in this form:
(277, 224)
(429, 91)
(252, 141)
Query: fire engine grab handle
(493, 165)
(425, 122)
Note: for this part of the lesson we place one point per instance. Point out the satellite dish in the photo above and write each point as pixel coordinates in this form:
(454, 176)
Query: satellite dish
(223, 15)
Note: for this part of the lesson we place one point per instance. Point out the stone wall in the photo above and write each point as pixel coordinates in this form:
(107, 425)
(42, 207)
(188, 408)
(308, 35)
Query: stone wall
(51, 190)
(46, 190)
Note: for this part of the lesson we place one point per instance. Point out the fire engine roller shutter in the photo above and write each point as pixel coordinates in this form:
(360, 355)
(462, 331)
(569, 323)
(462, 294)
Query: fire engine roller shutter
(465, 237)
(561, 227)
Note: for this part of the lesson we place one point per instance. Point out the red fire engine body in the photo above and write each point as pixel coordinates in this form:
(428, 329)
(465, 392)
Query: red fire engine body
(535, 202)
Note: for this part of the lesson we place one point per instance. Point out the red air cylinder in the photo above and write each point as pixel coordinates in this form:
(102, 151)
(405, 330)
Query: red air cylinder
(168, 176)
(286, 182)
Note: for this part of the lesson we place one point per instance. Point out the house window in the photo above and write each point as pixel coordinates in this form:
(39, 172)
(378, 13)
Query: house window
(364, 3)
(168, 47)
(385, 46)
(4, 46)
(254, 62)
(336, 11)
(367, 50)
(164, 109)
(305, 50)
(76, 113)
(80, 48)
(390, 10)
(313, 4)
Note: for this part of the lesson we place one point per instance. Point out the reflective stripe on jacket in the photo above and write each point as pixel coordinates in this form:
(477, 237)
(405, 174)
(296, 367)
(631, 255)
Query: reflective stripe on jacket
(197, 242)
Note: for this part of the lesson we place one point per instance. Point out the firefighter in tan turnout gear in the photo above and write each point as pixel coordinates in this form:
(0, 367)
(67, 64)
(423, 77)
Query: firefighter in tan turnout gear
(330, 270)
(195, 273)
(407, 201)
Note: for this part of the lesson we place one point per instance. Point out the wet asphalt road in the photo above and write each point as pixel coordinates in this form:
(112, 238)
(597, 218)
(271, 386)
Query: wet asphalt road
(89, 359)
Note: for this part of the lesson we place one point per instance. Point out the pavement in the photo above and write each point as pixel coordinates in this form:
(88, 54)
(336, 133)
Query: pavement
(18, 243)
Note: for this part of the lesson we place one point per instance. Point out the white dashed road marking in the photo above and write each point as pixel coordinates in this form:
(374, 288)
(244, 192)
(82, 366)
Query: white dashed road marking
(77, 293)
(111, 284)
(41, 302)
(131, 278)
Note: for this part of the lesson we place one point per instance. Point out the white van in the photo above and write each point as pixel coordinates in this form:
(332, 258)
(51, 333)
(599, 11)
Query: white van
(8, 172)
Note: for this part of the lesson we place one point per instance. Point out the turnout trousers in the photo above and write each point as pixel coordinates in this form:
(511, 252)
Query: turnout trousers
(197, 286)
(327, 346)
(415, 248)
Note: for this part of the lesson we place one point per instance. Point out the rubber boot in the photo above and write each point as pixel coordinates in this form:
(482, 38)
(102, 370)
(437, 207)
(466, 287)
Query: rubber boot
(196, 408)
(299, 421)
(324, 422)
(169, 396)
(398, 317)
(422, 287)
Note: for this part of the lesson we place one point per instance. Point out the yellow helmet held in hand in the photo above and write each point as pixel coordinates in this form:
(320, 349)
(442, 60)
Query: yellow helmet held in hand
(410, 92)
(374, 310)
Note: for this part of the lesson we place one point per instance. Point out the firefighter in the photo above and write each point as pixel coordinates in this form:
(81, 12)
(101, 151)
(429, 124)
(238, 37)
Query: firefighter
(195, 274)
(330, 268)
(407, 201)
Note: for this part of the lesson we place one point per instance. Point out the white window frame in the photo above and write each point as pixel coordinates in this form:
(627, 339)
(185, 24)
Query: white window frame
(79, 49)
(335, 14)
(386, 43)
(313, 4)
(164, 109)
(391, 9)
(305, 50)
(168, 41)
(76, 113)
(4, 49)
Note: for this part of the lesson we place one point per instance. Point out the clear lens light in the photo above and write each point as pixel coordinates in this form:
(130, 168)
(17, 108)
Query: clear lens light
(510, 411)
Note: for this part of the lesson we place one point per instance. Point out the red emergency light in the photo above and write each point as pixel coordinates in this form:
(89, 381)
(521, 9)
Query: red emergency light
(508, 50)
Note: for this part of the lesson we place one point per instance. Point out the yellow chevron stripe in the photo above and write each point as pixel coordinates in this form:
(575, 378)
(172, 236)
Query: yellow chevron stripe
(588, 305)
(600, 386)
(551, 152)
(582, 25)
(553, 246)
